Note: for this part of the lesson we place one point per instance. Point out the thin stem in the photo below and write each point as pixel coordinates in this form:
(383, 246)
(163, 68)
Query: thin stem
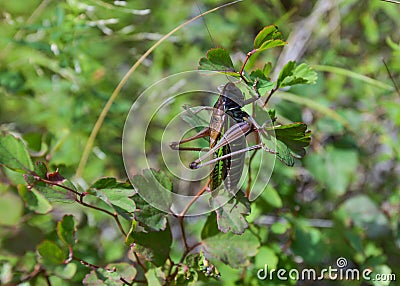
(391, 77)
(185, 210)
(57, 184)
(249, 54)
(85, 263)
(114, 215)
(80, 201)
(139, 262)
(181, 224)
(269, 96)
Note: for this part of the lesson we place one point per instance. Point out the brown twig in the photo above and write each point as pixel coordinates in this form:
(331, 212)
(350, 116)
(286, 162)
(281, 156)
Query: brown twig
(185, 210)
(139, 261)
(80, 201)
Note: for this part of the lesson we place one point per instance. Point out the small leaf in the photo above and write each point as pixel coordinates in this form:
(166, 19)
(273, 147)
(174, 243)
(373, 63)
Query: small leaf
(295, 136)
(65, 271)
(110, 183)
(291, 74)
(129, 240)
(149, 217)
(34, 200)
(231, 249)
(66, 229)
(115, 194)
(40, 169)
(231, 216)
(155, 277)
(110, 277)
(14, 155)
(153, 246)
(51, 192)
(154, 187)
(267, 38)
(263, 85)
(283, 154)
(280, 228)
(120, 270)
(51, 253)
(119, 199)
(218, 59)
(91, 279)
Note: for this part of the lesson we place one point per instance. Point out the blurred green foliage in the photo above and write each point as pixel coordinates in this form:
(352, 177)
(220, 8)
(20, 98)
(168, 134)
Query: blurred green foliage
(60, 61)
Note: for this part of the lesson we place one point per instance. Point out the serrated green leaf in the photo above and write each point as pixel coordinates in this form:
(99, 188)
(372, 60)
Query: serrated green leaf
(51, 253)
(217, 59)
(283, 154)
(91, 279)
(153, 246)
(110, 183)
(110, 278)
(40, 169)
(263, 85)
(295, 136)
(119, 199)
(14, 155)
(231, 216)
(291, 74)
(122, 270)
(66, 229)
(51, 192)
(267, 38)
(155, 187)
(34, 200)
(148, 216)
(231, 249)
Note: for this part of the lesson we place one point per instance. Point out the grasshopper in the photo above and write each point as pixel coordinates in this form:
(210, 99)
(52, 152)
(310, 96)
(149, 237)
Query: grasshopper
(228, 126)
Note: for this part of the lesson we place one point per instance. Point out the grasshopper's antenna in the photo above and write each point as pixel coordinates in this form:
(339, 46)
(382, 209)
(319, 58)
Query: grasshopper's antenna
(205, 23)
(391, 77)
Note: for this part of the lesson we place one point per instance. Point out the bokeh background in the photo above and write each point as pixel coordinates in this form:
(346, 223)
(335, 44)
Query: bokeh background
(61, 60)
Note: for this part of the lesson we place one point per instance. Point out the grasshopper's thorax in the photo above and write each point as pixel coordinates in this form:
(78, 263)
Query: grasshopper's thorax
(233, 100)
